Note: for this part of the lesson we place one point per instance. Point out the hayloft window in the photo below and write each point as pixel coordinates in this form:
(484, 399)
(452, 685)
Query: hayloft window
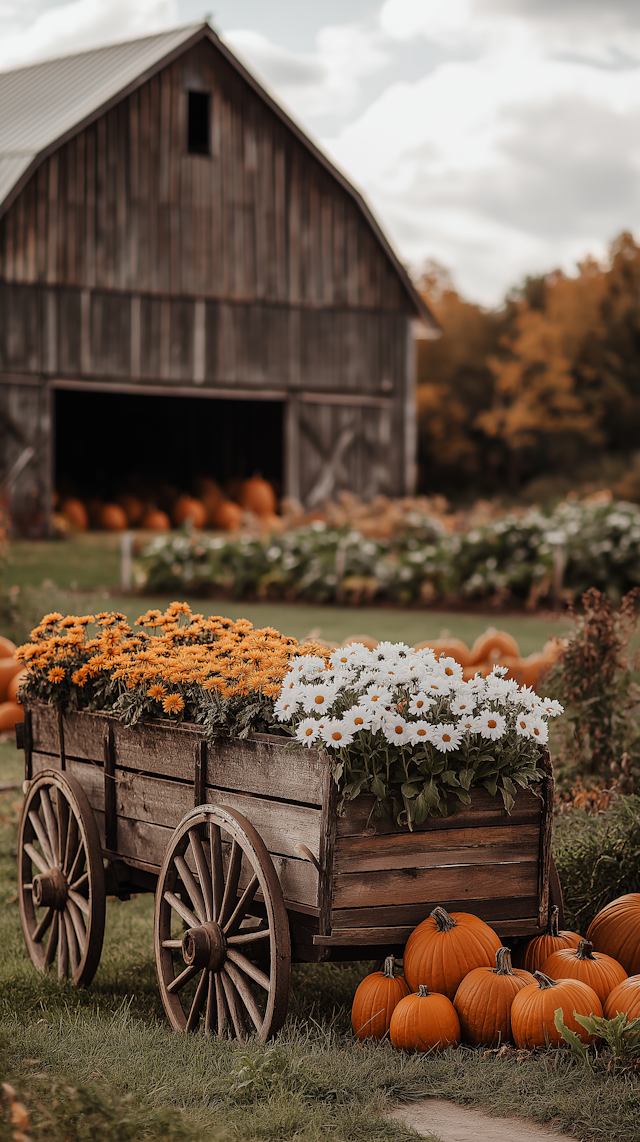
(198, 123)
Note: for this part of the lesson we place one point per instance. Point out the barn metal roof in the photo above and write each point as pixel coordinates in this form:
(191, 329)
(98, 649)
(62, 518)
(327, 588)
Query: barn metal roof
(47, 103)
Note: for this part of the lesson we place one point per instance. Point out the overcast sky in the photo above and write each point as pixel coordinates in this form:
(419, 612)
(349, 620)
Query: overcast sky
(501, 137)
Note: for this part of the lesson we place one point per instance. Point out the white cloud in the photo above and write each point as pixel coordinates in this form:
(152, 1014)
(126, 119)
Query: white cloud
(79, 25)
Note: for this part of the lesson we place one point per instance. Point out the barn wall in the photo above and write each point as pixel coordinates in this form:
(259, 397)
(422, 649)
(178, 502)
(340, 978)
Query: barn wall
(25, 423)
(122, 206)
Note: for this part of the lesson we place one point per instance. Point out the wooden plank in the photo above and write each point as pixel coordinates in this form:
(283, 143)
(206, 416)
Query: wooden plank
(383, 916)
(456, 846)
(353, 937)
(484, 810)
(408, 885)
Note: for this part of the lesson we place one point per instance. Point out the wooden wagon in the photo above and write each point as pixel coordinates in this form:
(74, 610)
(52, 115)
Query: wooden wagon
(249, 861)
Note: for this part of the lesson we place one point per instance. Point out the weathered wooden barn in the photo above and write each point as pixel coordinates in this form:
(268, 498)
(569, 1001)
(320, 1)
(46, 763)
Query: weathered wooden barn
(189, 287)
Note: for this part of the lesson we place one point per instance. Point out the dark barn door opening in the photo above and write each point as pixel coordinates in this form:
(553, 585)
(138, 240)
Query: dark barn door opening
(108, 444)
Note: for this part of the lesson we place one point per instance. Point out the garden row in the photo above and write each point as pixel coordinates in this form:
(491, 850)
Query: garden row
(522, 555)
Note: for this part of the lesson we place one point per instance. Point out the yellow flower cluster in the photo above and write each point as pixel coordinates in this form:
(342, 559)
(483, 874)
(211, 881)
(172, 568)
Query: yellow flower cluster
(170, 657)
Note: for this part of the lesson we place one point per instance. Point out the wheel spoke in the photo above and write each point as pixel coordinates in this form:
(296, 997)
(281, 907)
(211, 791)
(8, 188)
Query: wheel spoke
(172, 944)
(79, 928)
(234, 1007)
(245, 902)
(209, 1015)
(53, 941)
(203, 871)
(244, 991)
(41, 834)
(80, 901)
(183, 978)
(198, 1002)
(72, 942)
(63, 950)
(191, 886)
(78, 861)
(221, 1006)
(71, 843)
(50, 822)
(185, 913)
(37, 859)
(79, 882)
(62, 813)
(248, 968)
(249, 936)
(231, 887)
(217, 872)
(39, 932)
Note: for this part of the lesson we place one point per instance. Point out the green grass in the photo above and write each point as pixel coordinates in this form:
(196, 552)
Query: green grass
(100, 1064)
(83, 575)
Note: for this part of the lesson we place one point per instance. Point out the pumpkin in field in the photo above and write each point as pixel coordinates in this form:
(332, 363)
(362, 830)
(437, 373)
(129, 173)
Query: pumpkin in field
(532, 955)
(7, 647)
(113, 518)
(75, 514)
(187, 510)
(228, 516)
(601, 972)
(156, 520)
(533, 1010)
(375, 1001)
(426, 1021)
(10, 713)
(257, 496)
(494, 645)
(483, 1001)
(15, 684)
(443, 949)
(625, 997)
(616, 931)
(9, 667)
(210, 495)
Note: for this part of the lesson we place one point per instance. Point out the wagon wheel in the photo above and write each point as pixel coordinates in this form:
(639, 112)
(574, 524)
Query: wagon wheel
(61, 878)
(222, 944)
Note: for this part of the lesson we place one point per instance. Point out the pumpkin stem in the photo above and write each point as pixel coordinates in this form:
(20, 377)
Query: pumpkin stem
(442, 918)
(545, 981)
(387, 971)
(552, 929)
(423, 990)
(503, 962)
(584, 951)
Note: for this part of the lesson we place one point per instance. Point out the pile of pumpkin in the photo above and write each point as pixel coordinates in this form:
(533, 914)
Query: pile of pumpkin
(210, 508)
(451, 991)
(12, 673)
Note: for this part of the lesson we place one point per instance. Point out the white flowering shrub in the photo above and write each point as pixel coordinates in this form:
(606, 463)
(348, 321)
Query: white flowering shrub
(404, 726)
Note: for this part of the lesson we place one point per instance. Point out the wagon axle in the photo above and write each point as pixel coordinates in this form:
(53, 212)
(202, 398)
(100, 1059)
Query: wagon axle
(50, 889)
(205, 947)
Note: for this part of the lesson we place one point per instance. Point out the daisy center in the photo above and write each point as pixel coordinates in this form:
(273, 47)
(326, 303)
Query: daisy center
(446, 737)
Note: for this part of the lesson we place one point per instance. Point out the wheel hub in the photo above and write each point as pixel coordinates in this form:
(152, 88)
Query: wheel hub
(50, 889)
(205, 946)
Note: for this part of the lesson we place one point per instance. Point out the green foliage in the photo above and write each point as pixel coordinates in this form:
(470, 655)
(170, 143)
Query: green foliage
(620, 1035)
(598, 858)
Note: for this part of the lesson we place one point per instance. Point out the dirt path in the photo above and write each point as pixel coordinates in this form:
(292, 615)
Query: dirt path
(452, 1123)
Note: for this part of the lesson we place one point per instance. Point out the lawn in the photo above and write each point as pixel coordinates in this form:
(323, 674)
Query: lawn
(83, 575)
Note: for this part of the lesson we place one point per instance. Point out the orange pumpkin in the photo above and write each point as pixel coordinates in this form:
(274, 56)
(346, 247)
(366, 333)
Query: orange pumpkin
(10, 713)
(8, 668)
(532, 955)
(625, 997)
(361, 640)
(133, 509)
(444, 948)
(616, 931)
(483, 1001)
(601, 972)
(257, 496)
(15, 684)
(375, 1001)
(533, 1010)
(113, 518)
(75, 514)
(425, 1021)
(189, 510)
(7, 647)
(494, 645)
(156, 521)
(228, 516)
(450, 647)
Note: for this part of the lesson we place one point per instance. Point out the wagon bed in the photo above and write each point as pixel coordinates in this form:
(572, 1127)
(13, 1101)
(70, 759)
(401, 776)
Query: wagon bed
(351, 887)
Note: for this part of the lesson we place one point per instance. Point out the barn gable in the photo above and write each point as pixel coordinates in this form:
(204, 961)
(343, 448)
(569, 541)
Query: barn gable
(131, 263)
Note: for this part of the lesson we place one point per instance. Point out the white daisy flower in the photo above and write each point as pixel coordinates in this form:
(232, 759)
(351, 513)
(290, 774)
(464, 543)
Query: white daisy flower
(446, 737)
(498, 688)
(426, 656)
(464, 705)
(396, 729)
(344, 659)
(419, 732)
(476, 685)
(490, 724)
(552, 708)
(420, 703)
(539, 730)
(310, 666)
(376, 698)
(284, 708)
(437, 687)
(308, 732)
(336, 733)
(523, 725)
(362, 719)
(318, 699)
(450, 668)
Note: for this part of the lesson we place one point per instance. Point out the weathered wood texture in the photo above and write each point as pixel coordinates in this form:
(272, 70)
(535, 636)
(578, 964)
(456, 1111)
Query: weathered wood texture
(372, 883)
